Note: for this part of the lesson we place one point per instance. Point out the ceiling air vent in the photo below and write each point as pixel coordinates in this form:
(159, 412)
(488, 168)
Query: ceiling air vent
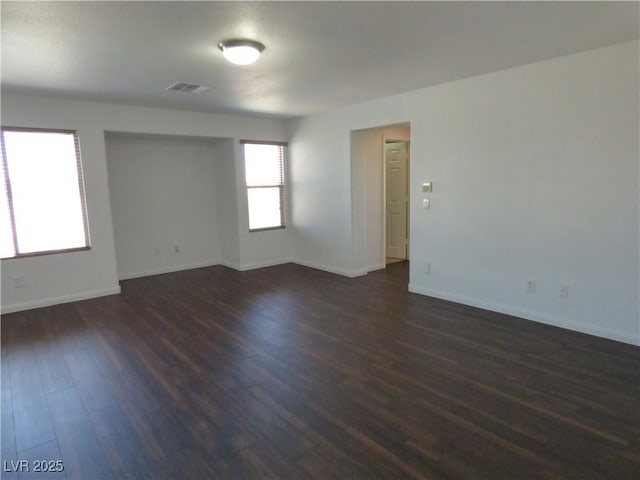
(186, 88)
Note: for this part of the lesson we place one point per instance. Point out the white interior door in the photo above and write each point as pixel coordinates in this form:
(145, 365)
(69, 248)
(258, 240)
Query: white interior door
(396, 166)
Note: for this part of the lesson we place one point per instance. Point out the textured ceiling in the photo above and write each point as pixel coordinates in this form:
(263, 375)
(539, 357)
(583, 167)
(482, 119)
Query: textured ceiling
(319, 54)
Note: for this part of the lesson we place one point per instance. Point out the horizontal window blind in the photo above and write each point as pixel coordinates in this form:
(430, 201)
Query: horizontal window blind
(43, 209)
(264, 176)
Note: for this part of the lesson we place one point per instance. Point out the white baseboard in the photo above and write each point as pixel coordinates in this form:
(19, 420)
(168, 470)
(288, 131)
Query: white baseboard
(160, 271)
(590, 329)
(47, 302)
(253, 266)
(231, 265)
(326, 268)
(304, 263)
(373, 268)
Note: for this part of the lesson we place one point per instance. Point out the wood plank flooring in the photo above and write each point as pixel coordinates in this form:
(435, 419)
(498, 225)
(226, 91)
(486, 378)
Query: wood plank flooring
(292, 373)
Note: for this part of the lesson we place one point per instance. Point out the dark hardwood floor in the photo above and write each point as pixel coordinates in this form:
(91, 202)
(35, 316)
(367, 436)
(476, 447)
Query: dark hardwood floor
(288, 372)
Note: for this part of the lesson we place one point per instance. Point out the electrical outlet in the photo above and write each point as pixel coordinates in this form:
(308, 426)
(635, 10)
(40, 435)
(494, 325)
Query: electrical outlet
(427, 268)
(531, 286)
(176, 249)
(156, 252)
(564, 291)
(18, 282)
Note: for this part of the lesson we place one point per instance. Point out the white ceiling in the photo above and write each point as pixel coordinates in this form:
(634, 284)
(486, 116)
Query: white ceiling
(319, 54)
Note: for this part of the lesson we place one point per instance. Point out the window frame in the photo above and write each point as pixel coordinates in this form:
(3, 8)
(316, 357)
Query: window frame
(281, 186)
(9, 196)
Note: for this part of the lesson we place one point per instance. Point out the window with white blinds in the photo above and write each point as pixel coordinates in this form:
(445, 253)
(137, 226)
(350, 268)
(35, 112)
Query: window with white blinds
(43, 207)
(264, 172)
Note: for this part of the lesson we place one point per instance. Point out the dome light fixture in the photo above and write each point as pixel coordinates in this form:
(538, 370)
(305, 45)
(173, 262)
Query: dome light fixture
(240, 51)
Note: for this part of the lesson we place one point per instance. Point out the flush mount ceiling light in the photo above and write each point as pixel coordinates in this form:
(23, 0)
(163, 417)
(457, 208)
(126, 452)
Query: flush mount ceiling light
(240, 51)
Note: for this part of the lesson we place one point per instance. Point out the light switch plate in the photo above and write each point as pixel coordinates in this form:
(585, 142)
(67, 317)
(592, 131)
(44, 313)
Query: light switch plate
(427, 187)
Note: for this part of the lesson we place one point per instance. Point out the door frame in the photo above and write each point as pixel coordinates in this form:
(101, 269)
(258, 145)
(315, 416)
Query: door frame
(386, 140)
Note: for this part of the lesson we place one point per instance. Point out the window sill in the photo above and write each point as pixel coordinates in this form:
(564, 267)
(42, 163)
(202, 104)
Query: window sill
(266, 229)
(47, 252)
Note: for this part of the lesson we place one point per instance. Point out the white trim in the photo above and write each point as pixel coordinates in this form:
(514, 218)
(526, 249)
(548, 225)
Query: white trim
(160, 271)
(253, 266)
(326, 268)
(379, 266)
(231, 265)
(533, 316)
(47, 302)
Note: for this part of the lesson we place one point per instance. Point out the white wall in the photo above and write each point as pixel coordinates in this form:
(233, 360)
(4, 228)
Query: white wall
(535, 173)
(320, 192)
(227, 195)
(58, 278)
(163, 196)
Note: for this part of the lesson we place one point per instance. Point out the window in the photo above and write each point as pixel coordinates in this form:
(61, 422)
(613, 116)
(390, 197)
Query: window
(43, 206)
(264, 170)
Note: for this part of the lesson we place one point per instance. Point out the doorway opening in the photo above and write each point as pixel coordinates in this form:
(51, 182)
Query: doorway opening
(374, 226)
